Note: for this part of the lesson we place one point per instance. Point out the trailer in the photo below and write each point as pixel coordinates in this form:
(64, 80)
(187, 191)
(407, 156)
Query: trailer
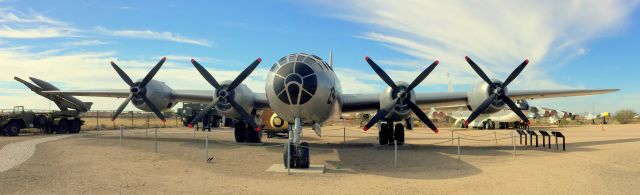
(67, 120)
(59, 122)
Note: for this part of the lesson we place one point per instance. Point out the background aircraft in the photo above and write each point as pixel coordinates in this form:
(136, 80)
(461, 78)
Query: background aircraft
(304, 90)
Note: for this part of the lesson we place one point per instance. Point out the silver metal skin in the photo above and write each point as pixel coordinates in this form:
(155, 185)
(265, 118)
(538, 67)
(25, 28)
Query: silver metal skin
(242, 95)
(158, 93)
(402, 110)
(325, 101)
(480, 92)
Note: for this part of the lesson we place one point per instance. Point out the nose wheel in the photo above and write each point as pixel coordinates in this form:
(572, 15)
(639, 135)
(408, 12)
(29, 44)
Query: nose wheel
(296, 152)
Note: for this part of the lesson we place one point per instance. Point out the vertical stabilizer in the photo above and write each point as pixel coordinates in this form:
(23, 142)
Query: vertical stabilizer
(330, 58)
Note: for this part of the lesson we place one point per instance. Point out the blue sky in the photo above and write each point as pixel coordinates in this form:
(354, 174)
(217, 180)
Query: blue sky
(571, 44)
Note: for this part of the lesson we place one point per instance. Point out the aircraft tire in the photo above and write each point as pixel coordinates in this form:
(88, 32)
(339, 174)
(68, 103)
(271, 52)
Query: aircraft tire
(253, 136)
(292, 152)
(303, 156)
(383, 134)
(399, 133)
(239, 131)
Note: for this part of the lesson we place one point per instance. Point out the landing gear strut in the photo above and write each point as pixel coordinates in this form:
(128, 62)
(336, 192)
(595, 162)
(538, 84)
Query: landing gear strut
(296, 152)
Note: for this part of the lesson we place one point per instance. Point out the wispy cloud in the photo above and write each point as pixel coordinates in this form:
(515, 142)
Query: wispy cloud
(36, 33)
(496, 34)
(91, 42)
(32, 25)
(12, 16)
(148, 34)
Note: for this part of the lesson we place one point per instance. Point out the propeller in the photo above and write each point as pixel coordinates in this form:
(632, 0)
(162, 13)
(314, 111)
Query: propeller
(225, 93)
(402, 95)
(138, 90)
(497, 91)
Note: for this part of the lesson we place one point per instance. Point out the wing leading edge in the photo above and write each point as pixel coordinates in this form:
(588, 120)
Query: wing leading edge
(371, 102)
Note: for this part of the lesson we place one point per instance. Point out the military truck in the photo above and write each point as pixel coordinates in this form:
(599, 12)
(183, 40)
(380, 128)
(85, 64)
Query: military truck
(67, 121)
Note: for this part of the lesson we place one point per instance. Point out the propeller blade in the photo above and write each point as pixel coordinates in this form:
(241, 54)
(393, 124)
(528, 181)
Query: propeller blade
(203, 112)
(245, 116)
(422, 76)
(515, 73)
(422, 116)
(207, 76)
(153, 72)
(480, 72)
(121, 107)
(244, 74)
(480, 109)
(515, 109)
(122, 74)
(153, 108)
(383, 75)
(380, 114)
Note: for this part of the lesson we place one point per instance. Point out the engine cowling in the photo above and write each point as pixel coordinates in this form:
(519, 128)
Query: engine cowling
(242, 95)
(159, 94)
(402, 110)
(481, 92)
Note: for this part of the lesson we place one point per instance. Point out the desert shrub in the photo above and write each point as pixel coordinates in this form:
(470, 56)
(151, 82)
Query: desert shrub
(625, 116)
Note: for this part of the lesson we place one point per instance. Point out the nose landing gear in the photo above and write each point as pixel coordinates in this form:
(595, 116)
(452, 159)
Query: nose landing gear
(387, 134)
(296, 152)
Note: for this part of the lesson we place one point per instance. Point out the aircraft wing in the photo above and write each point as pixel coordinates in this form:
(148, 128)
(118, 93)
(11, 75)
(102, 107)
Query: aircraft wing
(368, 102)
(193, 96)
(116, 93)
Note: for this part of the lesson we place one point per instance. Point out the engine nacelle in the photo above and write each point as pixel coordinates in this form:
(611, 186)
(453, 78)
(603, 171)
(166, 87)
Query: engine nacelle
(402, 110)
(480, 93)
(242, 95)
(158, 93)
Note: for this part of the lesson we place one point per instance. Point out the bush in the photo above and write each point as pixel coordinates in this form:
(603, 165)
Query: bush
(625, 116)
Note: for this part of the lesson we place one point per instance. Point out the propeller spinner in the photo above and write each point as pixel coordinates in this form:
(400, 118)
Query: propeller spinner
(226, 92)
(402, 95)
(497, 91)
(138, 89)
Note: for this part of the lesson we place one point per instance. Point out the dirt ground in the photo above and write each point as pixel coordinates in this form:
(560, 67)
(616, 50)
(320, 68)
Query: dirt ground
(596, 162)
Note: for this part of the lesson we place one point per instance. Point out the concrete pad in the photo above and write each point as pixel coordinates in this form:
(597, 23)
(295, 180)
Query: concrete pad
(280, 168)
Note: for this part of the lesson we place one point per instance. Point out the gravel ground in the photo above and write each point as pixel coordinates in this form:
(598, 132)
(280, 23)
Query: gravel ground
(596, 162)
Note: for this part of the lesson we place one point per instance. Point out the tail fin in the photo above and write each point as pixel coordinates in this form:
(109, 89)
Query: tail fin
(331, 58)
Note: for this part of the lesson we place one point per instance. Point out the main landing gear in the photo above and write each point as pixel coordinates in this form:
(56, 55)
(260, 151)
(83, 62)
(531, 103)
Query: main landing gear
(388, 134)
(296, 152)
(244, 133)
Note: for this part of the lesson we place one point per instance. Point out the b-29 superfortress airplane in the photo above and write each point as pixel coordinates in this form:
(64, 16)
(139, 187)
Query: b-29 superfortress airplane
(304, 90)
